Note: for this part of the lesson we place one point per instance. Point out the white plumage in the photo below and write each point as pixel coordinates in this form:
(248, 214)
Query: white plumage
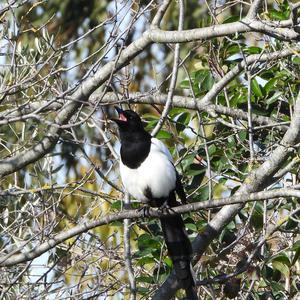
(155, 173)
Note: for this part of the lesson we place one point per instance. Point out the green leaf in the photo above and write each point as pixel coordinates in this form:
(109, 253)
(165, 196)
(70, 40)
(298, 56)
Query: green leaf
(147, 242)
(185, 84)
(296, 256)
(239, 96)
(208, 82)
(212, 149)
(296, 247)
(200, 75)
(147, 279)
(282, 258)
(282, 268)
(144, 253)
(144, 260)
(202, 194)
(231, 141)
(242, 135)
(151, 117)
(162, 134)
(201, 224)
(182, 121)
(257, 216)
(175, 111)
(231, 19)
(277, 15)
(187, 161)
(57, 169)
(167, 260)
(255, 87)
(267, 272)
(274, 98)
(271, 85)
(116, 224)
(277, 287)
(142, 290)
(296, 60)
(191, 227)
(195, 169)
(267, 74)
(203, 79)
(116, 205)
(253, 50)
(151, 124)
(231, 226)
(233, 49)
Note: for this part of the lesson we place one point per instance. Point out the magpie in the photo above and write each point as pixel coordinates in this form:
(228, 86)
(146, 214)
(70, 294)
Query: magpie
(149, 175)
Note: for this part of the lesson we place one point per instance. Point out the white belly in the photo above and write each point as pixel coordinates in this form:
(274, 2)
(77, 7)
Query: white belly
(156, 173)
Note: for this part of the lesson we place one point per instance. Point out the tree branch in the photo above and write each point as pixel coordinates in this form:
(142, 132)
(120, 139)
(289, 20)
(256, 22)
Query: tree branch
(127, 250)
(257, 180)
(85, 88)
(174, 75)
(294, 15)
(13, 259)
(160, 13)
(189, 103)
(243, 26)
(254, 9)
(95, 79)
(203, 104)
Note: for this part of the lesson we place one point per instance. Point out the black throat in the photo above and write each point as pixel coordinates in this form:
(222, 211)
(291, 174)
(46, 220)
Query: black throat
(135, 148)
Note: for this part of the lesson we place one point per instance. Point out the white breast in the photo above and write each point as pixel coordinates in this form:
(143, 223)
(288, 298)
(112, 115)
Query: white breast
(157, 173)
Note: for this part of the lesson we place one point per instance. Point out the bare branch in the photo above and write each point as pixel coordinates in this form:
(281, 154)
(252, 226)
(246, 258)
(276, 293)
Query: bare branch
(95, 80)
(86, 87)
(56, 92)
(189, 103)
(243, 26)
(160, 13)
(239, 199)
(294, 15)
(254, 9)
(127, 251)
(174, 75)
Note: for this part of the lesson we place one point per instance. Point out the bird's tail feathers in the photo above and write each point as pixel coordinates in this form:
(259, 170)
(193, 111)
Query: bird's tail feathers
(180, 252)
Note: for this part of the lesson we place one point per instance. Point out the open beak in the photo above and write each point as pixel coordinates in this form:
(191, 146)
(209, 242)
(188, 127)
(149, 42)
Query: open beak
(122, 117)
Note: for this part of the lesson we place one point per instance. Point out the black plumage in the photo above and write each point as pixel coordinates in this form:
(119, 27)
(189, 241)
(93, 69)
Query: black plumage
(148, 174)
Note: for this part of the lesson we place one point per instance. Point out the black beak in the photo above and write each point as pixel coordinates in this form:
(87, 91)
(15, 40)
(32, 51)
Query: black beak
(122, 118)
(119, 110)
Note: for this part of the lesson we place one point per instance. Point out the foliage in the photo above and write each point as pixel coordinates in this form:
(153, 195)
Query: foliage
(48, 49)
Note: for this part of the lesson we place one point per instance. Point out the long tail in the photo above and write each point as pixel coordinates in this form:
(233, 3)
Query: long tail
(180, 251)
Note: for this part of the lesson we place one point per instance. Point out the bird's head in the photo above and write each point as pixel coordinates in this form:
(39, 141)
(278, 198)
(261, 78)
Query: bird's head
(128, 121)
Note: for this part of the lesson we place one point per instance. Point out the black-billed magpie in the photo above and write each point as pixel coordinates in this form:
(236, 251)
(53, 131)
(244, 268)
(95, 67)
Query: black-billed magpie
(148, 174)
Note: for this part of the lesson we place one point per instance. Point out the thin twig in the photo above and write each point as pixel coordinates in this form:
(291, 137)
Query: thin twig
(127, 250)
(59, 238)
(174, 75)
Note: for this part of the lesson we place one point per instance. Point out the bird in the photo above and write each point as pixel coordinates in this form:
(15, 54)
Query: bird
(149, 175)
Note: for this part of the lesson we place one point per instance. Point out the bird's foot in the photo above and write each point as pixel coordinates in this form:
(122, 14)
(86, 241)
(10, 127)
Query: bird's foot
(146, 210)
(165, 207)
